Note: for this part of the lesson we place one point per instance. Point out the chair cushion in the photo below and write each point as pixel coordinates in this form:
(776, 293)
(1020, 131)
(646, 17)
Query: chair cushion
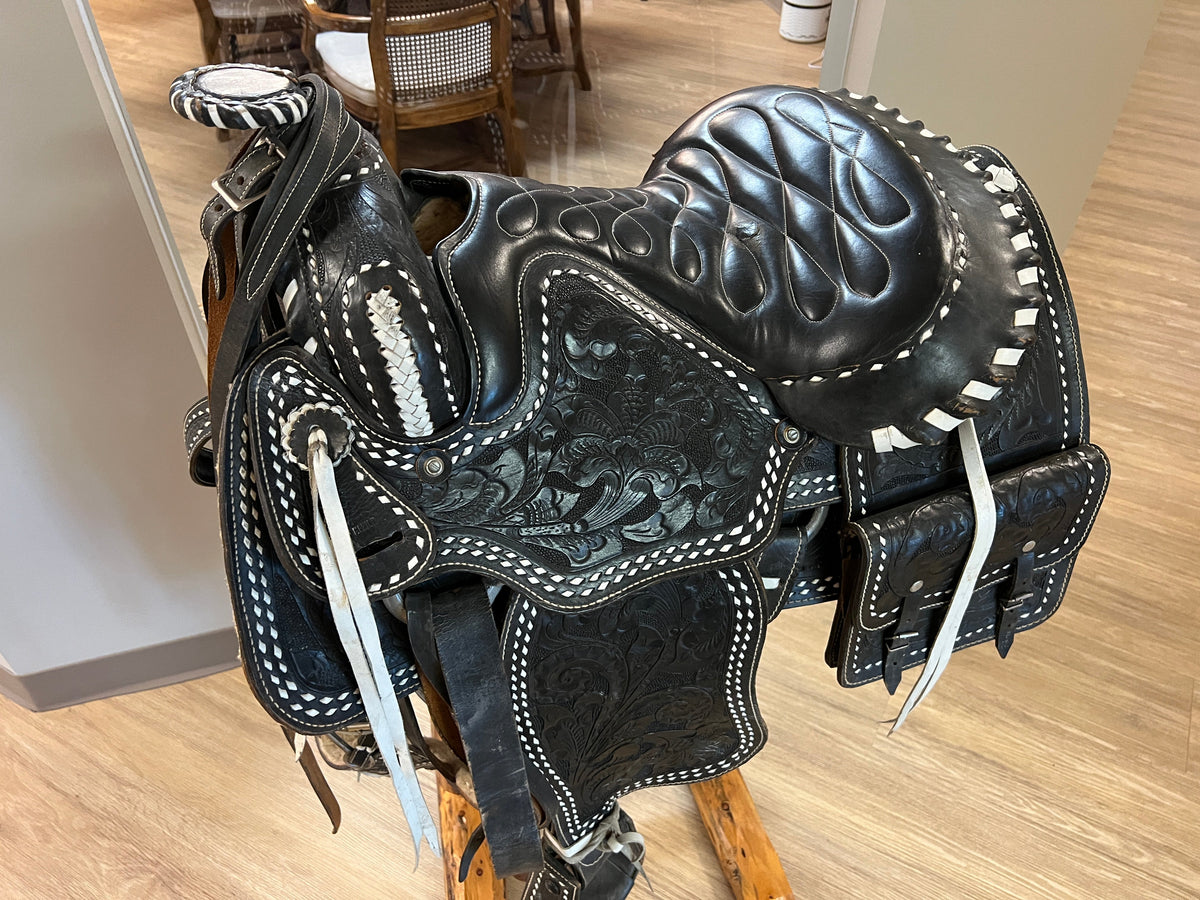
(347, 62)
(256, 9)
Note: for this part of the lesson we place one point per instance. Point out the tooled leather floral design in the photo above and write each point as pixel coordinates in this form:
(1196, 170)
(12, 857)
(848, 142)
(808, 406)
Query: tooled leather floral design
(642, 689)
(928, 542)
(637, 441)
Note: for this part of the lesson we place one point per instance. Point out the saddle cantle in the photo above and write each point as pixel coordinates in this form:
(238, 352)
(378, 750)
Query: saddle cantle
(553, 457)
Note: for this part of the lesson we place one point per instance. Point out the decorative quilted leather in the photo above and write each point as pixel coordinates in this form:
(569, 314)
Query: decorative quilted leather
(863, 267)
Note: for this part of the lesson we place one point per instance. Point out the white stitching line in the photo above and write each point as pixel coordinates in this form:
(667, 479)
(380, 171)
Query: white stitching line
(959, 257)
(612, 579)
(240, 550)
(449, 271)
(512, 563)
(304, 561)
(1054, 314)
(293, 186)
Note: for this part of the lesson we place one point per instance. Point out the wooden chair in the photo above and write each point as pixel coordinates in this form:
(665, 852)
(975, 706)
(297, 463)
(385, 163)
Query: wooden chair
(552, 59)
(418, 63)
(259, 31)
(266, 32)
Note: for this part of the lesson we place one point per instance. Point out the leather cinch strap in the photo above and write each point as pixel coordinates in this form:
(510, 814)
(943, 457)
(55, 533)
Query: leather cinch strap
(469, 660)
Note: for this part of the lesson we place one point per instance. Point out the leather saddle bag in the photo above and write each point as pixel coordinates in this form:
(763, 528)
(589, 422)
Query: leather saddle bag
(900, 567)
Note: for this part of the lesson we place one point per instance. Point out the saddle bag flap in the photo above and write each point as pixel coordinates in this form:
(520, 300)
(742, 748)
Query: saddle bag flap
(901, 566)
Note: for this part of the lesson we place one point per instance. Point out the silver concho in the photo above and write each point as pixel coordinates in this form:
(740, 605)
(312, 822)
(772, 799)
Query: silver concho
(339, 431)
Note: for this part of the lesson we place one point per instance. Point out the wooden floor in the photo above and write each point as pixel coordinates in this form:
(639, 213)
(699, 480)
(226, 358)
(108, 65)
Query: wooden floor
(1072, 770)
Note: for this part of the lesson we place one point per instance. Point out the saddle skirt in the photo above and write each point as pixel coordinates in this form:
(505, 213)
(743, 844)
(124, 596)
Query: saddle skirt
(564, 452)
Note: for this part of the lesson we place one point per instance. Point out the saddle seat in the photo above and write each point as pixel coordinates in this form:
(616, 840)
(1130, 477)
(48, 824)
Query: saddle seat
(870, 273)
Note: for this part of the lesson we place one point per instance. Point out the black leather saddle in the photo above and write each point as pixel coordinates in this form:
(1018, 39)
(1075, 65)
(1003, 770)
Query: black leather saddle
(551, 458)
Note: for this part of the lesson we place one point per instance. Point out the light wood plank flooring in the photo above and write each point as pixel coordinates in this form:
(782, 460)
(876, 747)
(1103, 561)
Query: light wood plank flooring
(1070, 771)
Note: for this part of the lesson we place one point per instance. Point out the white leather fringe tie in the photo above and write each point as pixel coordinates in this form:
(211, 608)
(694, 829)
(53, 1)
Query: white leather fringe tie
(355, 621)
(984, 505)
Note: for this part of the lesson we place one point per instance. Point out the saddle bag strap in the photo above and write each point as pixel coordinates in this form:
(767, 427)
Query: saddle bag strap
(468, 654)
(1009, 609)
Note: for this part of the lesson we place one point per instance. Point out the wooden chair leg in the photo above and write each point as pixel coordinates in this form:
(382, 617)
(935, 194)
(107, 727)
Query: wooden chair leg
(748, 858)
(210, 32)
(459, 819)
(576, 21)
(550, 24)
(514, 149)
(389, 144)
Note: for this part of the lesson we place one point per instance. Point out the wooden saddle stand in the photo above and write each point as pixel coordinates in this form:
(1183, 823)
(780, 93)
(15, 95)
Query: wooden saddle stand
(747, 857)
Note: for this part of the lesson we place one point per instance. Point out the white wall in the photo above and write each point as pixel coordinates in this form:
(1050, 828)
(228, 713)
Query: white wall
(1042, 80)
(106, 545)
(850, 45)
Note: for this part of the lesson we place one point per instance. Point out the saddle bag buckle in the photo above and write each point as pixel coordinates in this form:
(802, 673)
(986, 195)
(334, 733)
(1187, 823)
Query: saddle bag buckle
(1008, 609)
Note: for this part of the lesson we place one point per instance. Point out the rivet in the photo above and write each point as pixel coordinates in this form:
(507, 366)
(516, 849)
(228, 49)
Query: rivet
(789, 435)
(433, 466)
(1029, 545)
(916, 586)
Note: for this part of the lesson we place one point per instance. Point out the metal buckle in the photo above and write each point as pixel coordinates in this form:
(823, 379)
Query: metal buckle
(237, 205)
(234, 203)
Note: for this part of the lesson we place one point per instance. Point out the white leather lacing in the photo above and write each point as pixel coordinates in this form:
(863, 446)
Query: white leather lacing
(356, 627)
(984, 505)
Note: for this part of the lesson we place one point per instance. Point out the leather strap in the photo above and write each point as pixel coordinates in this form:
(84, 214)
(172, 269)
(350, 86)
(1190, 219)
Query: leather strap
(320, 146)
(468, 648)
(469, 851)
(1009, 612)
(418, 606)
(197, 439)
(238, 188)
(316, 779)
(983, 505)
(357, 629)
(901, 639)
(217, 303)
